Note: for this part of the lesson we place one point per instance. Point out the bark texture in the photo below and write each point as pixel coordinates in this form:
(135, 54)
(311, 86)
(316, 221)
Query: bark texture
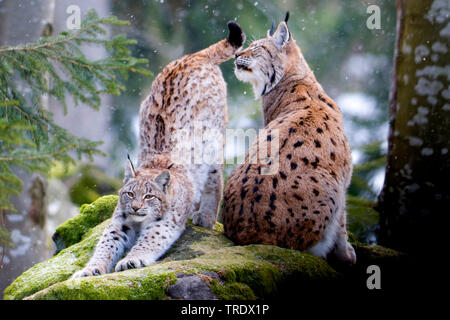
(415, 195)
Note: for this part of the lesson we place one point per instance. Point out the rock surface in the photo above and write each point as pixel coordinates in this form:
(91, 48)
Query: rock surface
(203, 264)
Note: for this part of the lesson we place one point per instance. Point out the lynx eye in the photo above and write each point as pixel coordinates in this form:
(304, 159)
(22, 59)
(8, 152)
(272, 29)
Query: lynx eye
(130, 194)
(148, 197)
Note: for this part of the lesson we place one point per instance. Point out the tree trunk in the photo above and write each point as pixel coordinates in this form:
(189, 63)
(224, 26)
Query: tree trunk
(415, 195)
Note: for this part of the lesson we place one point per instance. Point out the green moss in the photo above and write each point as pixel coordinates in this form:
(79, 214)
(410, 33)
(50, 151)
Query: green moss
(261, 268)
(142, 284)
(257, 271)
(71, 231)
(219, 227)
(232, 291)
(377, 254)
(196, 241)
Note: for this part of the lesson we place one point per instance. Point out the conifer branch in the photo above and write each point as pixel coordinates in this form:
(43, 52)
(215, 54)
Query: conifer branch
(55, 67)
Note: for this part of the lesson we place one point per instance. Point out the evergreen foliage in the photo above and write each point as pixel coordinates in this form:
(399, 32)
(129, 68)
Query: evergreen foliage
(55, 67)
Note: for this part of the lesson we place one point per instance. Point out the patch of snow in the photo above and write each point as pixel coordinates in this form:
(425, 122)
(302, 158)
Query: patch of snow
(446, 31)
(434, 72)
(446, 93)
(420, 118)
(357, 105)
(439, 11)
(439, 47)
(415, 142)
(427, 151)
(426, 87)
(420, 53)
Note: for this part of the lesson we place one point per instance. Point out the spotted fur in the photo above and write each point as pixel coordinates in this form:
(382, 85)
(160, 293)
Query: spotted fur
(302, 205)
(158, 196)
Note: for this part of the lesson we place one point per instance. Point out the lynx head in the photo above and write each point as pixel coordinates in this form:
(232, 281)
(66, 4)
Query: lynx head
(144, 196)
(266, 60)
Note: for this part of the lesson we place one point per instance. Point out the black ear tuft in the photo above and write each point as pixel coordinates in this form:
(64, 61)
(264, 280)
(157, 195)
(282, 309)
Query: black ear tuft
(236, 36)
(130, 172)
(287, 17)
(272, 29)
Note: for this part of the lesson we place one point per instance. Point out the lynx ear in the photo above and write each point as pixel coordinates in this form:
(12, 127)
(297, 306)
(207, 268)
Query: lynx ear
(129, 170)
(162, 180)
(281, 36)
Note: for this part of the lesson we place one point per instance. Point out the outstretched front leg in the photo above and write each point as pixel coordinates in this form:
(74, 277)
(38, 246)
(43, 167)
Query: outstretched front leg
(115, 240)
(155, 239)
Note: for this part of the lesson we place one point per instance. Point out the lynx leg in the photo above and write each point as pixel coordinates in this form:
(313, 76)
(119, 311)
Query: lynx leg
(343, 250)
(152, 243)
(210, 198)
(326, 244)
(115, 240)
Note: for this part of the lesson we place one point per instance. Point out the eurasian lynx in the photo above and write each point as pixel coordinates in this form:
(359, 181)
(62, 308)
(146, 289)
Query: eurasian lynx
(159, 195)
(302, 206)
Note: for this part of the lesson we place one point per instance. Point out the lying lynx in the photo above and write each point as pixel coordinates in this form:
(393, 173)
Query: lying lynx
(158, 196)
(302, 205)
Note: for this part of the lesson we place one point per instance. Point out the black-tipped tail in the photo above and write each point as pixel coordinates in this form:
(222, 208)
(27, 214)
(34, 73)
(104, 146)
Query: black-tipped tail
(236, 37)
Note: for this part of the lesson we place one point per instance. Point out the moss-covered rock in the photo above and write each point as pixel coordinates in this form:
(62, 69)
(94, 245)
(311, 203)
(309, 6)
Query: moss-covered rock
(57, 268)
(71, 231)
(246, 273)
(229, 272)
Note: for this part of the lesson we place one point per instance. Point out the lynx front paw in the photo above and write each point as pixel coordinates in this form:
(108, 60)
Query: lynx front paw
(89, 271)
(132, 263)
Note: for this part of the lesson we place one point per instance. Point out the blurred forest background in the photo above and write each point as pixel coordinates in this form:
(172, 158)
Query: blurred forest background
(352, 62)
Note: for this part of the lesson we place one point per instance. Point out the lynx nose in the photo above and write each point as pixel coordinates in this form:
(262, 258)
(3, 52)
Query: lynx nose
(135, 208)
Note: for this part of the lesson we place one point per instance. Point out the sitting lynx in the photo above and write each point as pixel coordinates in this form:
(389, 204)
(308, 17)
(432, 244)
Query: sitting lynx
(158, 196)
(302, 205)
